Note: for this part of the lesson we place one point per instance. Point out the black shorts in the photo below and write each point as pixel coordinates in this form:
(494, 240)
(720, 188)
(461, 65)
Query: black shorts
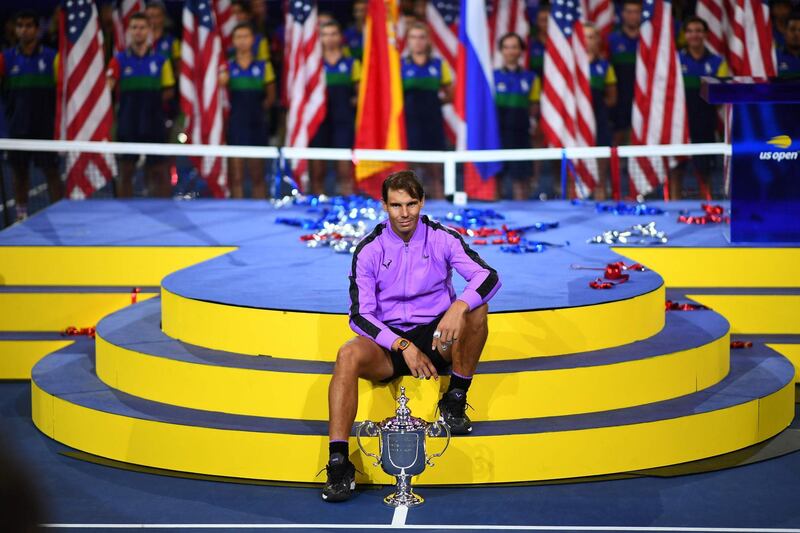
(40, 159)
(422, 337)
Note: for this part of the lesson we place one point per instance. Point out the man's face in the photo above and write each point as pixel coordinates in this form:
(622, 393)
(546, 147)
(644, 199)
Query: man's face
(156, 17)
(242, 39)
(26, 30)
(360, 12)
(403, 211)
(780, 11)
(541, 21)
(793, 34)
(139, 31)
(592, 40)
(417, 41)
(695, 35)
(632, 16)
(331, 38)
(239, 14)
(511, 51)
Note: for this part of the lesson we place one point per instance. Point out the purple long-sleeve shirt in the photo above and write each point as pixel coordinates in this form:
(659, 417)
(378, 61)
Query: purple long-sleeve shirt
(402, 285)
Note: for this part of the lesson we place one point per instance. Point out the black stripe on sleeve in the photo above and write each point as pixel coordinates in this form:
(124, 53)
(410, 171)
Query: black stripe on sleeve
(491, 280)
(365, 325)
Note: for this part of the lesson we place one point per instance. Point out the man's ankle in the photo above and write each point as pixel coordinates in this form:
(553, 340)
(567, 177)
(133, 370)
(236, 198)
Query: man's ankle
(459, 381)
(339, 446)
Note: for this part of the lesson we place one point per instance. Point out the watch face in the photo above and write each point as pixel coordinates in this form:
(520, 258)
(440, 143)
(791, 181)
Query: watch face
(404, 344)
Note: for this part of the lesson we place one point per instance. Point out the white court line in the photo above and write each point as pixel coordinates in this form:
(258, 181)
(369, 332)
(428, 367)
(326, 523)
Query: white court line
(399, 516)
(487, 527)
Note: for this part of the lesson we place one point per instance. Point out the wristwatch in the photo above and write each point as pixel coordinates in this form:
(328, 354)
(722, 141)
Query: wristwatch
(404, 343)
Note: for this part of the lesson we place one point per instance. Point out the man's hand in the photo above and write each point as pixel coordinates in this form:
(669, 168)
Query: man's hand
(419, 363)
(450, 326)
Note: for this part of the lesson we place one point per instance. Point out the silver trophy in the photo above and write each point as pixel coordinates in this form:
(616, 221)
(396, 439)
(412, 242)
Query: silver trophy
(401, 440)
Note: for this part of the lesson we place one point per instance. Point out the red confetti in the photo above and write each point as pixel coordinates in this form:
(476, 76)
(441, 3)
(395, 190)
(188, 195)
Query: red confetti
(72, 331)
(714, 214)
(737, 345)
(678, 306)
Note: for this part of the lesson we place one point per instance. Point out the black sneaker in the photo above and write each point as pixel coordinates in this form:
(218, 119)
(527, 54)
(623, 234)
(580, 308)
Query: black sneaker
(452, 407)
(341, 479)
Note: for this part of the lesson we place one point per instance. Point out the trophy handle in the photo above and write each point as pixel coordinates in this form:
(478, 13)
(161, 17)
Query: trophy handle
(435, 430)
(370, 430)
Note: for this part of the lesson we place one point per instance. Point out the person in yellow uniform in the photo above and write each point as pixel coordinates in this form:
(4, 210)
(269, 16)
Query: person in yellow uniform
(145, 83)
(427, 84)
(338, 129)
(697, 61)
(242, 12)
(603, 83)
(517, 94)
(251, 91)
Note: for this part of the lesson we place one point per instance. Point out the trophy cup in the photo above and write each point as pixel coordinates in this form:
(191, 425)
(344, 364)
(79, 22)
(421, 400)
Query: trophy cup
(401, 440)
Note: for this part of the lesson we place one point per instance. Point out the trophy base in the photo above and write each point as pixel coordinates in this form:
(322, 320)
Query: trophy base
(407, 499)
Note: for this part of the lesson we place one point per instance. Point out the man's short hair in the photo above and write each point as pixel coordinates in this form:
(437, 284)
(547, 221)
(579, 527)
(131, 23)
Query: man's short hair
(27, 14)
(696, 20)
(404, 180)
(331, 24)
(244, 5)
(139, 16)
(157, 4)
(511, 35)
(794, 17)
(243, 26)
(637, 2)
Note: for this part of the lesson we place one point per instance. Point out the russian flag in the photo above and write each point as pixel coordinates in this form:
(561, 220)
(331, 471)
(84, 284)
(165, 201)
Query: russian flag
(474, 99)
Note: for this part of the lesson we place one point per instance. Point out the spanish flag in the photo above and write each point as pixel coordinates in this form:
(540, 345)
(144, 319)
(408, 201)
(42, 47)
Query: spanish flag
(379, 118)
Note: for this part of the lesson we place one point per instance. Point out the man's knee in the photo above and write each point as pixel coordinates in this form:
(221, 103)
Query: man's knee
(478, 317)
(351, 357)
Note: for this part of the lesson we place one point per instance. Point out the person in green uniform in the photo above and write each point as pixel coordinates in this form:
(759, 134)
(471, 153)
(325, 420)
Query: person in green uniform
(603, 83)
(251, 91)
(337, 129)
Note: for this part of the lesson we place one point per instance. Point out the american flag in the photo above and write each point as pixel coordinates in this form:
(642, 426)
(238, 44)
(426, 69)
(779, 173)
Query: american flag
(566, 105)
(83, 110)
(714, 13)
(304, 79)
(740, 31)
(225, 21)
(601, 14)
(442, 17)
(120, 17)
(659, 103)
(201, 95)
(507, 16)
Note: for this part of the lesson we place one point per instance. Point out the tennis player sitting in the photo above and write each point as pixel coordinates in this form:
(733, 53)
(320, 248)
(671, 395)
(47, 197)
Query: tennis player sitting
(408, 318)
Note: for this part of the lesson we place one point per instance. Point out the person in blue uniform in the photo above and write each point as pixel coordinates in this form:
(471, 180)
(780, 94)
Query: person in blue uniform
(164, 43)
(622, 46)
(517, 92)
(251, 92)
(28, 78)
(427, 84)
(779, 13)
(789, 54)
(353, 35)
(697, 61)
(537, 43)
(536, 49)
(243, 13)
(603, 84)
(337, 130)
(144, 83)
